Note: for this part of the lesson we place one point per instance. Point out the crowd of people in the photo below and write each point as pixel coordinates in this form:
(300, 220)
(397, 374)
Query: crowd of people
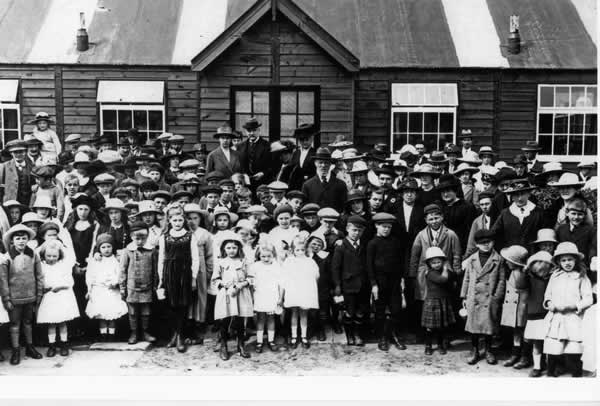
(291, 239)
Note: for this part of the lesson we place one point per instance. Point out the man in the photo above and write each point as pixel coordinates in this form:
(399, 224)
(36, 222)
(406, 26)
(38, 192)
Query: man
(106, 143)
(530, 150)
(135, 142)
(34, 146)
(224, 159)
(586, 167)
(15, 174)
(466, 139)
(521, 166)
(255, 155)
(288, 172)
(452, 153)
(163, 141)
(458, 213)
(123, 148)
(302, 156)
(176, 143)
(72, 142)
(422, 157)
(323, 188)
(386, 176)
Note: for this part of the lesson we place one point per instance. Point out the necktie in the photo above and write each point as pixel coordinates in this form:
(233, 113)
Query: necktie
(324, 180)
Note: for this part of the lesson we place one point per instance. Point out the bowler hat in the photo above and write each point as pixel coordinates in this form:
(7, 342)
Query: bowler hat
(322, 154)
(305, 131)
(252, 124)
(531, 146)
(448, 181)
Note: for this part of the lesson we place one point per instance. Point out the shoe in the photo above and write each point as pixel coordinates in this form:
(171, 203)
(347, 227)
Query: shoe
(51, 351)
(31, 352)
(398, 341)
(383, 344)
(64, 350)
(15, 357)
(181, 345)
(133, 339)
(490, 358)
(259, 348)
(428, 349)
(524, 362)
(173, 341)
(516, 355)
(2, 359)
(321, 334)
(305, 343)
(474, 359)
(294, 342)
(535, 373)
(148, 337)
(241, 350)
(442, 349)
(272, 346)
(223, 353)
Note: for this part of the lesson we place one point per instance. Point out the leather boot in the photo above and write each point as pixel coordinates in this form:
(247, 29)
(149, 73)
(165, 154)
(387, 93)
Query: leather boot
(223, 352)
(382, 328)
(349, 329)
(133, 326)
(64, 349)
(490, 358)
(321, 330)
(428, 346)
(145, 325)
(360, 333)
(173, 341)
(181, 345)
(240, 346)
(442, 344)
(474, 358)
(575, 365)
(51, 350)
(526, 360)
(31, 352)
(15, 357)
(397, 340)
(551, 364)
(516, 355)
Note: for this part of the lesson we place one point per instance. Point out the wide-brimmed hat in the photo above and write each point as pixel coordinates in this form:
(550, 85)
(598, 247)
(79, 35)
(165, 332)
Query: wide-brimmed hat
(543, 256)
(448, 181)
(114, 204)
(425, 169)
(385, 170)
(340, 141)
(31, 217)
(220, 210)
(193, 208)
(531, 146)
(437, 157)
(147, 206)
(82, 199)
(487, 150)
(230, 236)
(354, 195)
(407, 151)
(567, 248)
(550, 168)
(73, 138)
(408, 184)
(224, 131)
(305, 131)
(465, 167)
(587, 163)
(43, 202)
(515, 254)
(252, 124)
(567, 179)
(519, 185)
(81, 159)
(176, 139)
(471, 158)
(359, 167)
(41, 116)
(434, 252)
(322, 154)
(15, 203)
(17, 228)
(545, 235)
(379, 152)
(109, 157)
(31, 139)
(465, 133)
(164, 137)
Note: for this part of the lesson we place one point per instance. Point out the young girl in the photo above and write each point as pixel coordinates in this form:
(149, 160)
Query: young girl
(234, 298)
(178, 265)
(283, 234)
(248, 236)
(58, 304)
(71, 186)
(15, 211)
(51, 146)
(102, 278)
(438, 314)
(568, 295)
(534, 279)
(268, 293)
(300, 277)
(148, 215)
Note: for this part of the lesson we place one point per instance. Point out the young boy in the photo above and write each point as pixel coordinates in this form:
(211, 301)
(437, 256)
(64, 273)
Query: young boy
(328, 217)
(277, 191)
(244, 197)
(138, 280)
(309, 213)
(376, 200)
(296, 199)
(482, 293)
(349, 276)
(21, 288)
(576, 231)
(481, 222)
(227, 194)
(384, 267)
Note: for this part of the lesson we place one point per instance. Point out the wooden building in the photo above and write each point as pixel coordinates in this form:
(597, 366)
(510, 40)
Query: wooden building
(391, 71)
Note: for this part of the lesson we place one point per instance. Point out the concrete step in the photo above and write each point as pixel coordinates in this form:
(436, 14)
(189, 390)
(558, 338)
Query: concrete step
(120, 346)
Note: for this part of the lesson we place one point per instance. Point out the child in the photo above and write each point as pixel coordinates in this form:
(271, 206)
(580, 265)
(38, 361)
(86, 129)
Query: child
(138, 280)
(227, 194)
(300, 275)
(546, 241)
(277, 191)
(350, 279)
(51, 146)
(268, 293)
(535, 280)
(45, 187)
(248, 236)
(102, 278)
(316, 251)
(71, 188)
(296, 199)
(583, 235)
(118, 229)
(234, 298)
(147, 213)
(438, 314)
(244, 197)
(328, 218)
(15, 211)
(283, 234)
(482, 222)
(482, 293)
(568, 295)
(384, 267)
(308, 212)
(58, 304)
(178, 265)
(514, 309)
(21, 288)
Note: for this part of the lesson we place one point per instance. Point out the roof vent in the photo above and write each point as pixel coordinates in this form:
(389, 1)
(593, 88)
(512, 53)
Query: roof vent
(514, 38)
(83, 43)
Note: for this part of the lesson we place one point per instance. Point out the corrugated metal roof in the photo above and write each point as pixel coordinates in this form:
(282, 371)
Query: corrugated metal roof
(381, 33)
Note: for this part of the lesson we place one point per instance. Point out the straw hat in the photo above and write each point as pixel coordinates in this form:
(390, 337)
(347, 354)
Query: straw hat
(341, 142)
(43, 202)
(31, 217)
(114, 204)
(148, 206)
(465, 167)
(41, 116)
(540, 256)
(17, 228)
(567, 179)
(425, 169)
(359, 167)
(229, 236)
(220, 210)
(567, 248)
(545, 235)
(193, 208)
(515, 254)
(434, 252)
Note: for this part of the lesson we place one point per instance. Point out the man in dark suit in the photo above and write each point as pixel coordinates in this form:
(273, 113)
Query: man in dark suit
(15, 174)
(286, 171)
(325, 189)
(302, 156)
(255, 155)
(224, 159)
(530, 150)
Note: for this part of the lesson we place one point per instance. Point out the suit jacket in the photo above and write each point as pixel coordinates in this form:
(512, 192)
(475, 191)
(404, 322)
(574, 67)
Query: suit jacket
(348, 268)
(10, 178)
(407, 238)
(263, 159)
(307, 169)
(290, 174)
(509, 231)
(332, 194)
(216, 161)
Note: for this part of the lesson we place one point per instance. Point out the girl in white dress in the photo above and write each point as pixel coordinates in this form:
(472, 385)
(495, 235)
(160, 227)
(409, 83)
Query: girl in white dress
(102, 279)
(58, 303)
(268, 293)
(300, 275)
(282, 235)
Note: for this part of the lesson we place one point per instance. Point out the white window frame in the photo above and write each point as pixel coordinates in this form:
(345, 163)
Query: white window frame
(563, 110)
(132, 107)
(11, 106)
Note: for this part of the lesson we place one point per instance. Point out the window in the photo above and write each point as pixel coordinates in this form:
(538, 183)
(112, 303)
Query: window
(280, 109)
(423, 113)
(127, 104)
(10, 112)
(567, 121)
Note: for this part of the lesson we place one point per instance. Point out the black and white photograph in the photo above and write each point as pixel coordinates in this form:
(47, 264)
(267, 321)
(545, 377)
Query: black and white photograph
(299, 188)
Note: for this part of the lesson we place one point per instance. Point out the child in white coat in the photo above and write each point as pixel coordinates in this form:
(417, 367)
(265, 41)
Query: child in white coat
(58, 303)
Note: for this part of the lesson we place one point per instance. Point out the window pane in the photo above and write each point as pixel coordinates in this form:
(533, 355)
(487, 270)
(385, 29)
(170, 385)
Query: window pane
(576, 124)
(400, 122)
(560, 145)
(445, 139)
(10, 120)
(264, 120)
(403, 99)
(124, 119)
(140, 118)
(240, 119)
(578, 96)
(545, 144)
(306, 119)
(306, 102)
(545, 124)
(575, 145)
(417, 95)
(592, 95)
(243, 102)
(156, 120)
(431, 142)
(288, 124)
(448, 94)
(415, 122)
(415, 138)
(431, 123)
(547, 96)
(562, 96)
(112, 134)
(446, 122)
(591, 123)
(560, 123)
(109, 118)
(432, 95)
(261, 102)
(288, 102)
(591, 145)
(10, 135)
(400, 140)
